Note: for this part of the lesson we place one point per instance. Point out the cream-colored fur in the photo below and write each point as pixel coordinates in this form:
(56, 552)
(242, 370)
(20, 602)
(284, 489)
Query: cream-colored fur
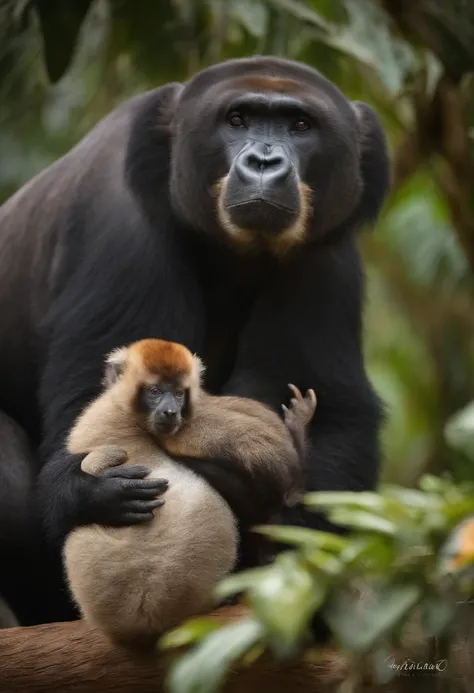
(135, 582)
(138, 581)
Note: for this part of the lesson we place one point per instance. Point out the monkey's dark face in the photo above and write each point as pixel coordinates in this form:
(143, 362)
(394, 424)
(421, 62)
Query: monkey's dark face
(164, 407)
(265, 153)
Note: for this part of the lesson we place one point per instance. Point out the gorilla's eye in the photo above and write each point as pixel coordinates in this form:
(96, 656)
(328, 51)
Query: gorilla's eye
(235, 119)
(301, 125)
(154, 391)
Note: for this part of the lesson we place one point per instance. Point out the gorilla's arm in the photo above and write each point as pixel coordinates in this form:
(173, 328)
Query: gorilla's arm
(131, 284)
(307, 329)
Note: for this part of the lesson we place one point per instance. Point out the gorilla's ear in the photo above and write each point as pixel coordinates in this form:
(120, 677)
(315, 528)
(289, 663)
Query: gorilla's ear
(374, 163)
(115, 365)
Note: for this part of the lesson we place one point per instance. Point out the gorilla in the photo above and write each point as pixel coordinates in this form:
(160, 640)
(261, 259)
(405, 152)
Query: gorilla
(222, 214)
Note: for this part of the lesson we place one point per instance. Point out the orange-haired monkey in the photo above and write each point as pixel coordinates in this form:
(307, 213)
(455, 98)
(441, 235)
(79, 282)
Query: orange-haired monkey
(135, 582)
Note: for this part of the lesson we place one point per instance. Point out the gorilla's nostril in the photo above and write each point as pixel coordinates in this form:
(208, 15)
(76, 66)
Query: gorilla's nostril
(262, 163)
(255, 162)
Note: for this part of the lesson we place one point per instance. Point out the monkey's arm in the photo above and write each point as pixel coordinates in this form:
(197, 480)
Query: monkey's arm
(244, 451)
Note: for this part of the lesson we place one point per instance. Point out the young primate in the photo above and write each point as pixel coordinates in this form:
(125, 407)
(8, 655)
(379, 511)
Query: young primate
(135, 582)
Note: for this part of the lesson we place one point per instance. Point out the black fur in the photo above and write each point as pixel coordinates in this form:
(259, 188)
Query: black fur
(95, 254)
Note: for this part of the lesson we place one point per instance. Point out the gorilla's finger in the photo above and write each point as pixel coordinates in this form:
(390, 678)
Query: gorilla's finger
(128, 487)
(132, 518)
(145, 493)
(136, 472)
(141, 506)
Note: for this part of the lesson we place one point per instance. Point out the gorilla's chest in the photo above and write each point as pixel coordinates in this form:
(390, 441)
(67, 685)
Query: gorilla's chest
(230, 292)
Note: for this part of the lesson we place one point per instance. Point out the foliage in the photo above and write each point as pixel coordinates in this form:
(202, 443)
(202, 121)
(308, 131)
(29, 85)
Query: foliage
(408, 552)
(64, 65)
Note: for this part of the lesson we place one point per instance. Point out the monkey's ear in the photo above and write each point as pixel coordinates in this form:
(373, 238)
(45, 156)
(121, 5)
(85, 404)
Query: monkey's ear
(115, 365)
(195, 381)
(374, 163)
(199, 367)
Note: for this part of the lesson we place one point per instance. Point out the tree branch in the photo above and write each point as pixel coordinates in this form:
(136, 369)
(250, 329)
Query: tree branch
(72, 657)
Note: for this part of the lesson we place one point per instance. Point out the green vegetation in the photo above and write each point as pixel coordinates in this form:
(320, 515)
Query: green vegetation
(409, 558)
(63, 65)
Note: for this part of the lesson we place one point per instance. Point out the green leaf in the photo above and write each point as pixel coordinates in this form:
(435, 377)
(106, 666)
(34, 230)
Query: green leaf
(366, 500)
(433, 484)
(343, 41)
(188, 633)
(369, 27)
(358, 625)
(239, 582)
(410, 497)
(323, 561)
(252, 15)
(253, 654)
(284, 601)
(203, 669)
(301, 11)
(369, 552)
(459, 430)
(358, 519)
(302, 536)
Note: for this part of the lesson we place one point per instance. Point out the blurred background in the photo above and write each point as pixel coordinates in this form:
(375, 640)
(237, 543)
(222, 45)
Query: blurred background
(66, 63)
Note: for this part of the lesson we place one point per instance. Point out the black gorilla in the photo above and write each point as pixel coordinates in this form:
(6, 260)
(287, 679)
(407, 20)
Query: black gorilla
(220, 214)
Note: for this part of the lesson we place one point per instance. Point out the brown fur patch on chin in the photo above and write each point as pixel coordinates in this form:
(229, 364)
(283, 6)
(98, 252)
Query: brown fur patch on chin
(251, 241)
(242, 239)
(296, 234)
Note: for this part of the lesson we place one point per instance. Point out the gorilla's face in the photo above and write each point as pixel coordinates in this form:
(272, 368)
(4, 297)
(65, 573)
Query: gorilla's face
(265, 152)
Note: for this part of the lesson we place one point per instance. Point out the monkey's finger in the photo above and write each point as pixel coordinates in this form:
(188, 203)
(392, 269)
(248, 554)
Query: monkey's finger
(141, 506)
(285, 409)
(312, 397)
(295, 391)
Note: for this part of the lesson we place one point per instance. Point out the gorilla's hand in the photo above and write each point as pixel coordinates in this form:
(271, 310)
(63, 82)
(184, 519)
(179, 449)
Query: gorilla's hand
(122, 496)
(68, 497)
(253, 498)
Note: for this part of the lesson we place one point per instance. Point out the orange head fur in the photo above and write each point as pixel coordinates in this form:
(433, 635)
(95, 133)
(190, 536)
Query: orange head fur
(150, 361)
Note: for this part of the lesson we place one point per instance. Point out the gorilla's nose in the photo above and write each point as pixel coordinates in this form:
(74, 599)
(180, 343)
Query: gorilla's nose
(264, 165)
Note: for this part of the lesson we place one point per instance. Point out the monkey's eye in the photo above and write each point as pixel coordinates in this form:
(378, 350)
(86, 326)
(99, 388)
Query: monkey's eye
(179, 393)
(235, 119)
(301, 125)
(154, 391)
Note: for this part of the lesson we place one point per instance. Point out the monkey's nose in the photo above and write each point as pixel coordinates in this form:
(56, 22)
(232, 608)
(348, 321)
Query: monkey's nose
(170, 414)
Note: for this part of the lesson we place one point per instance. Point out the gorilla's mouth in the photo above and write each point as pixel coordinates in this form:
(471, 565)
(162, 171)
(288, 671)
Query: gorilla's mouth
(259, 214)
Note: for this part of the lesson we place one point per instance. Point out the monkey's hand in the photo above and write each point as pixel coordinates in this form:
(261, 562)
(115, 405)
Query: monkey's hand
(298, 415)
(69, 497)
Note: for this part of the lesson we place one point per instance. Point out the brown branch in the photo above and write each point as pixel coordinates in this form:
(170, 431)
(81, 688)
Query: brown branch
(72, 657)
